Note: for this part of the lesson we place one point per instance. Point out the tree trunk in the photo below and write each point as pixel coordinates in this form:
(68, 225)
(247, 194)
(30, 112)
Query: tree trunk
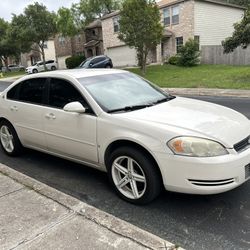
(5, 60)
(43, 57)
(144, 61)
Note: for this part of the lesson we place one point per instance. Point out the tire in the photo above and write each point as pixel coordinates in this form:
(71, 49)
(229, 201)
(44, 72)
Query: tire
(34, 71)
(139, 184)
(9, 140)
(108, 66)
(53, 68)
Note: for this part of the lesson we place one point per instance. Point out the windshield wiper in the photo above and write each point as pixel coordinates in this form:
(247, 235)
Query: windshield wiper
(165, 99)
(130, 108)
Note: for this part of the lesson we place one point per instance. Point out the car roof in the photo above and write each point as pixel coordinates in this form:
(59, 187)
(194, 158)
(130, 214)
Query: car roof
(75, 73)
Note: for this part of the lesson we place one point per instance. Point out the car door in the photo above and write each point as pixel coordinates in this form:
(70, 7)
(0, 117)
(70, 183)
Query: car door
(40, 67)
(97, 62)
(25, 109)
(69, 134)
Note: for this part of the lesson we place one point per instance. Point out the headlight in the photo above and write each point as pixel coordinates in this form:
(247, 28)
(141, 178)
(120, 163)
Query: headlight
(196, 147)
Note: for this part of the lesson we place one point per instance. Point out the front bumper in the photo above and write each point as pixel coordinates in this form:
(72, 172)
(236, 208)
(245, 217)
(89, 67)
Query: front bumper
(28, 71)
(208, 175)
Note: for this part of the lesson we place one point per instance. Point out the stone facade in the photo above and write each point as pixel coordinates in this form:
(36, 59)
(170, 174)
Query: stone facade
(184, 28)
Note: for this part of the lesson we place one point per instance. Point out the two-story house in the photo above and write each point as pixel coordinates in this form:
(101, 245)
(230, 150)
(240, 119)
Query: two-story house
(94, 39)
(207, 21)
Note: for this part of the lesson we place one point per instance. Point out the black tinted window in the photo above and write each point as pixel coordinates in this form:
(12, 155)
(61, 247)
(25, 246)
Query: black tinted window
(31, 91)
(62, 93)
(50, 61)
(97, 60)
(12, 93)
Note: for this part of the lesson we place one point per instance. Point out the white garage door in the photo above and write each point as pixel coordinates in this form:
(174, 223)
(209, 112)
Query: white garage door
(122, 56)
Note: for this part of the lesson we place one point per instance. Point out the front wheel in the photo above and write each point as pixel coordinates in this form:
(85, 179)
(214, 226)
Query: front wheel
(53, 68)
(134, 175)
(9, 140)
(34, 71)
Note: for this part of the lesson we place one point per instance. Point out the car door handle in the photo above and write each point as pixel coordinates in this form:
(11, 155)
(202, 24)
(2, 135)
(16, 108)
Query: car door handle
(13, 108)
(50, 116)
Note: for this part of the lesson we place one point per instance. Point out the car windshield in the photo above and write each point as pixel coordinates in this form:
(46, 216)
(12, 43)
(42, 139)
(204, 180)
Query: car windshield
(122, 92)
(85, 63)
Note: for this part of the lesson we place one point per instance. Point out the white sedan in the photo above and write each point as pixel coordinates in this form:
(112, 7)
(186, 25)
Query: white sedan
(118, 122)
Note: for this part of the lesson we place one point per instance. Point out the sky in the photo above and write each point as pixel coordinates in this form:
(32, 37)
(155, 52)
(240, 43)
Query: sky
(7, 7)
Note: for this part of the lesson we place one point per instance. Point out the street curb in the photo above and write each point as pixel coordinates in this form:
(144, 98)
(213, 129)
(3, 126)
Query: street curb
(238, 93)
(101, 218)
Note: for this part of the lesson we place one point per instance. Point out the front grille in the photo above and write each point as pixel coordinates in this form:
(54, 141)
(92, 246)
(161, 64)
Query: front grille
(210, 183)
(242, 145)
(247, 171)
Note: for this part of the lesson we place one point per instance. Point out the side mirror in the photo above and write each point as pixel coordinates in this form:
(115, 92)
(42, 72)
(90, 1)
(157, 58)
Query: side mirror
(75, 107)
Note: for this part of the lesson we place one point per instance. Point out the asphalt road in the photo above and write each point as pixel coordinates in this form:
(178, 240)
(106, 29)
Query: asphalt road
(193, 222)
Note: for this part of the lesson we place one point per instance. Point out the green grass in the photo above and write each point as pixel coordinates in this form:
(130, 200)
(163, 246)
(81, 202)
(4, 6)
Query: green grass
(202, 76)
(12, 74)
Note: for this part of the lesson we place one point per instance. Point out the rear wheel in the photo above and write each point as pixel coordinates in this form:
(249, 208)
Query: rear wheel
(53, 68)
(10, 142)
(108, 66)
(134, 175)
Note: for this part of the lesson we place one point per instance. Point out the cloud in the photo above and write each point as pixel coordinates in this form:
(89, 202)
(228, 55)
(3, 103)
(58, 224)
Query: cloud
(18, 6)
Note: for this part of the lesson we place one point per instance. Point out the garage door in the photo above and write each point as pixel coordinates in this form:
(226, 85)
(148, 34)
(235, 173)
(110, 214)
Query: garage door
(122, 56)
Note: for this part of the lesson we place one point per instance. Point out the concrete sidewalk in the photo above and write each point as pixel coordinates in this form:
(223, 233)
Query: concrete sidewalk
(36, 216)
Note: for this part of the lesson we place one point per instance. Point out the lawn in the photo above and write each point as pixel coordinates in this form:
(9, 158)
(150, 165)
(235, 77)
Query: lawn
(202, 76)
(12, 74)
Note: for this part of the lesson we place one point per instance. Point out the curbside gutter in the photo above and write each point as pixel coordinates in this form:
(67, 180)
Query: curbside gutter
(102, 219)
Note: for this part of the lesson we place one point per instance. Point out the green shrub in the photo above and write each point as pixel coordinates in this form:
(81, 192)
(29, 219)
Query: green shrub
(173, 60)
(189, 54)
(74, 61)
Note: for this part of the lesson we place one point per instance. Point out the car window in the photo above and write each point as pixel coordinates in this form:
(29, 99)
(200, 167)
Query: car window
(97, 60)
(30, 91)
(62, 92)
(50, 61)
(116, 91)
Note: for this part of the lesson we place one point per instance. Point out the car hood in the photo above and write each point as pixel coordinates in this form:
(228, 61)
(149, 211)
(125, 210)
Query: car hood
(206, 119)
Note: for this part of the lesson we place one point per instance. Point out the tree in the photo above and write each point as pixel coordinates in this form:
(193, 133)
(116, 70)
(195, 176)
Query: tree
(8, 44)
(66, 23)
(189, 54)
(241, 34)
(140, 27)
(34, 27)
(243, 3)
(71, 21)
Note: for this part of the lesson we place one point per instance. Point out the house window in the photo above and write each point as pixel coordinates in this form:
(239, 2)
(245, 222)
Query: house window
(175, 15)
(116, 24)
(197, 39)
(61, 40)
(179, 43)
(166, 16)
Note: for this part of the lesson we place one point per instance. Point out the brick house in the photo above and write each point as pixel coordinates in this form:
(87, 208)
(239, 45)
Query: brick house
(207, 21)
(94, 39)
(68, 46)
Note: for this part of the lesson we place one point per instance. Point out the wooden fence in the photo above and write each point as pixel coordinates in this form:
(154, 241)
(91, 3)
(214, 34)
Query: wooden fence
(214, 55)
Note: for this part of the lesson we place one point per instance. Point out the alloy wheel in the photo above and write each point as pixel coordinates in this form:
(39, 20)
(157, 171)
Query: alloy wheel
(7, 139)
(129, 178)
